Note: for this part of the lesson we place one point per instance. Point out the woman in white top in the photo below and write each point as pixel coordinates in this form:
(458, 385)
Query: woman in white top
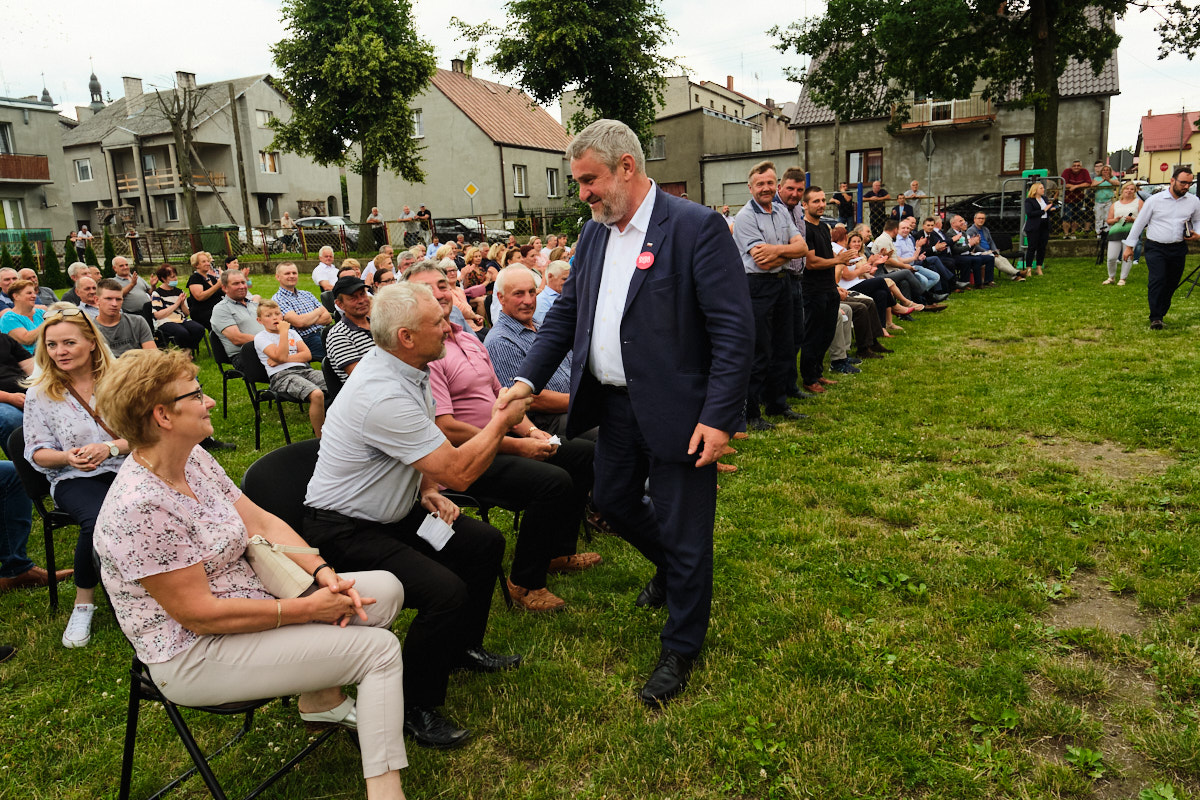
(1121, 215)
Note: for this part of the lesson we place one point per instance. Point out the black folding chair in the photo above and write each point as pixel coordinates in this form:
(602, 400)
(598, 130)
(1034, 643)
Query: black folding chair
(225, 365)
(259, 386)
(333, 384)
(147, 313)
(37, 486)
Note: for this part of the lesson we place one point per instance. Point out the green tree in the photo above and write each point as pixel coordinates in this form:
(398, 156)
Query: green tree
(350, 70)
(52, 274)
(6, 260)
(27, 259)
(864, 64)
(110, 252)
(89, 256)
(608, 51)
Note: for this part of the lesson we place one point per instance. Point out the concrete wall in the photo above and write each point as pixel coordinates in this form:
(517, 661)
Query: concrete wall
(965, 161)
(725, 180)
(41, 135)
(691, 136)
(456, 152)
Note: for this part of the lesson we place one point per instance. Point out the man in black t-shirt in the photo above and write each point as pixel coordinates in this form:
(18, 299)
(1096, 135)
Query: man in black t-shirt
(821, 299)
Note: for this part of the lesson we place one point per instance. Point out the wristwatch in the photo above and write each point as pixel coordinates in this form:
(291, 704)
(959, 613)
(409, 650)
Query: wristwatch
(113, 450)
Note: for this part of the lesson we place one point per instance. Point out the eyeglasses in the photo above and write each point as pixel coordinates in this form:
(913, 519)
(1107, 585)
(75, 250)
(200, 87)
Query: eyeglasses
(59, 313)
(385, 283)
(198, 394)
(1185, 183)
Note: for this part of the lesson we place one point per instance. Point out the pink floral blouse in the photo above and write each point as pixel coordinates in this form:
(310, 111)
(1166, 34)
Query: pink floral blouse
(147, 528)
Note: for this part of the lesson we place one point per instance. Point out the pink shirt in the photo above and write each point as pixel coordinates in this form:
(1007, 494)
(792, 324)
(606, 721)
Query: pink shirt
(147, 528)
(463, 382)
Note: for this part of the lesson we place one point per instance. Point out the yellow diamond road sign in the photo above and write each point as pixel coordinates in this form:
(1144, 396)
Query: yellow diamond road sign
(471, 189)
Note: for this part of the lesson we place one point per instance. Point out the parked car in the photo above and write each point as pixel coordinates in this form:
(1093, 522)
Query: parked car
(447, 229)
(321, 231)
(1008, 218)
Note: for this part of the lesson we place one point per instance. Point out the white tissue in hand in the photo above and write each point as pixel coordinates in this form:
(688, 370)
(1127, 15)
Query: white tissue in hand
(554, 440)
(435, 531)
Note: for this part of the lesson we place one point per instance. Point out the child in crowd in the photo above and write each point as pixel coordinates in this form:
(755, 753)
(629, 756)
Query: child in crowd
(288, 362)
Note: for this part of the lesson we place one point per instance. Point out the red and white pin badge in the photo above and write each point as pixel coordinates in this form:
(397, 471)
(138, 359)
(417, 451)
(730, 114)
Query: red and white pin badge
(644, 260)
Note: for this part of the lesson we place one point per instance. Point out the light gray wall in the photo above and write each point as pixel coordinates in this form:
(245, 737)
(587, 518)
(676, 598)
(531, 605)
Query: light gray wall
(965, 161)
(456, 152)
(40, 136)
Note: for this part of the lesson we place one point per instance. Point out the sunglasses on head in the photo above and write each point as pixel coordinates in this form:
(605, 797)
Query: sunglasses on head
(60, 313)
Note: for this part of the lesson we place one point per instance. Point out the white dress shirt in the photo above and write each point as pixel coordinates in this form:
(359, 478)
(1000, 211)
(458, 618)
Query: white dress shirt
(1163, 216)
(620, 261)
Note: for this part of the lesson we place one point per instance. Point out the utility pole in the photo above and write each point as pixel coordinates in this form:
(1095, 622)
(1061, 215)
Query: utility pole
(241, 162)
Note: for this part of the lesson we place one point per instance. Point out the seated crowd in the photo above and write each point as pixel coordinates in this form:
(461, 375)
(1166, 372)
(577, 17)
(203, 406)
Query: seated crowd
(419, 345)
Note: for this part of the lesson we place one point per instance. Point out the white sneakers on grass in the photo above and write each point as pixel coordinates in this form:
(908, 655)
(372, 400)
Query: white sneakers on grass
(79, 626)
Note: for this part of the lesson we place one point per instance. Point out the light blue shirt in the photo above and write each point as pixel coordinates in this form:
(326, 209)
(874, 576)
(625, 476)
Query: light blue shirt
(1163, 216)
(544, 301)
(754, 225)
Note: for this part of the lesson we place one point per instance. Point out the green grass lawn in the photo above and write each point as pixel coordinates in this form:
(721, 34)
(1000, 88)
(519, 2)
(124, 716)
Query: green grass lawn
(969, 574)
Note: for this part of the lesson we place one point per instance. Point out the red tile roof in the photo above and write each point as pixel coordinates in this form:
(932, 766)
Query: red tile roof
(1161, 131)
(506, 115)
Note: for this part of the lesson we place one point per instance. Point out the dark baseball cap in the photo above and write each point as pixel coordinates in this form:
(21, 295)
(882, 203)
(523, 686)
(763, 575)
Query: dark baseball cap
(347, 284)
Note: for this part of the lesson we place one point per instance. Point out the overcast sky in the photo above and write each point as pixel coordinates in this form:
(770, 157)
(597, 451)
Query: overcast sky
(231, 38)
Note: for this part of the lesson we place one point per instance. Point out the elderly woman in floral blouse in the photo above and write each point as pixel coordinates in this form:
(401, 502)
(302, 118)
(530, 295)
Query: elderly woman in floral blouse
(171, 539)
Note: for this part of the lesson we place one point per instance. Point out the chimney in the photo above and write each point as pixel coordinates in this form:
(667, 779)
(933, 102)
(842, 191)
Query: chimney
(135, 101)
(770, 104)
(456, 65)
(729, 82)
(185, 80)
(83, 112)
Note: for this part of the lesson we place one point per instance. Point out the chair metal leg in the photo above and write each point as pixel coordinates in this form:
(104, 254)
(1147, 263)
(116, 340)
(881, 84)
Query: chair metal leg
(198, 757)
(287, 437)
(257, 427)
(131, 722)
(51, 579)
(224, 396)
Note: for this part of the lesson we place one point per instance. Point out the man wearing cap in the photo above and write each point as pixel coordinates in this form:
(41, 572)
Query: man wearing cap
(301, 309)
(350, 339)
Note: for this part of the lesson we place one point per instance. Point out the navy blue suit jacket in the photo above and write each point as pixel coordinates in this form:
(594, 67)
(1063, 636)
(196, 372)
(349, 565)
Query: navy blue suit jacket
(687, 335)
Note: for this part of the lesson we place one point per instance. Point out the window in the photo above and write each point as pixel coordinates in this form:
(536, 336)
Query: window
(519, 187)
(1017, 154)
(658, 149)
(6, 138)
(864, 166)
(264, 118)
(552, 189)
(83, 169)
(12, 214)
(418, 124)
(268, 162)
(149, 163)
(697, 98)
(723, 110)
(172, 208)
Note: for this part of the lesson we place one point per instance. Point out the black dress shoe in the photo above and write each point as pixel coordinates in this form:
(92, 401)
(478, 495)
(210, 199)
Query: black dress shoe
(786, 413)
(800, 394)
(759, 424)
(431, 729)
(878, 348)
(655, 593)
(476, 659)
(6, 652)
(209, 443)
(669, 678)
(866, 353)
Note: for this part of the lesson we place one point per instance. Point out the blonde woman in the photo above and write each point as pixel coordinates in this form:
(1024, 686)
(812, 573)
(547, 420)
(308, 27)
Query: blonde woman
(68, 441)
(1121, 215)
(1037, 225)
(172, 538)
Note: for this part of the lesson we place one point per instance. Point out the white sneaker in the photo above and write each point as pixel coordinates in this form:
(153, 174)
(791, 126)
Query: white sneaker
(79, 626)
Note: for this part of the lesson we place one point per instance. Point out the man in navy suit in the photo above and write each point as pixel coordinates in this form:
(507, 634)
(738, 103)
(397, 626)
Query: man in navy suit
(657, 317)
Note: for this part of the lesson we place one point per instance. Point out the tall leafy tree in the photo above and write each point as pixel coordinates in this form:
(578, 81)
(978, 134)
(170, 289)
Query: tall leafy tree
(606, 49)
(865, 63)
(350, 68)
(52, 274)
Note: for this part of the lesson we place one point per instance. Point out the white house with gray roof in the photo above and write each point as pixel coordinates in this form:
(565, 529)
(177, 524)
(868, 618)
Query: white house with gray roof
(123, 158)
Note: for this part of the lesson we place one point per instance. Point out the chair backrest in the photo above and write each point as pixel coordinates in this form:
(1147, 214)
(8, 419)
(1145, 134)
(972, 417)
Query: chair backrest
(278, 481)
(252, 367)
(36, 484)
(1002, 241)
(333, 384)
(218, 351)
(327, 301)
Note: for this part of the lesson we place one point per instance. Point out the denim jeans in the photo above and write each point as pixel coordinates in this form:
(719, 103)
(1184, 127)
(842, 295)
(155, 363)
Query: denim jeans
(16, 519)
(11, 418)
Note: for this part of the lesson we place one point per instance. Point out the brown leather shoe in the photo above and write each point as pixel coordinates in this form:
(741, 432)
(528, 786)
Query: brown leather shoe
(577, 562)
(815, 388)
(827, 381)
(33, 578)
(537, 600)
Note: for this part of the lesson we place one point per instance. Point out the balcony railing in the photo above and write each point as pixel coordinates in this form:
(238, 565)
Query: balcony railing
(164, 179)
(973, 110)
(17, 167)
